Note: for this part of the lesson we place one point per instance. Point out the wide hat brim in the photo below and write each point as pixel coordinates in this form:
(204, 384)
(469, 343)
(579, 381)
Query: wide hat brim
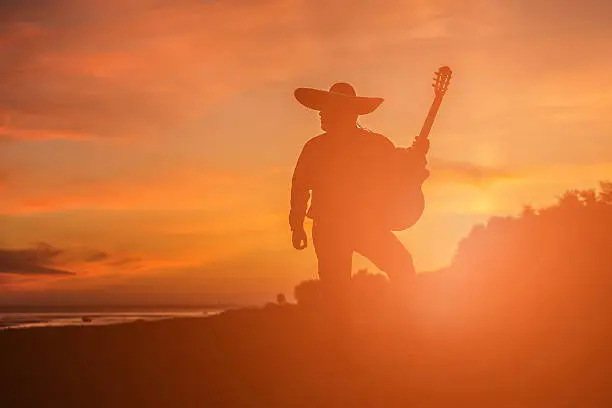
(318, 100)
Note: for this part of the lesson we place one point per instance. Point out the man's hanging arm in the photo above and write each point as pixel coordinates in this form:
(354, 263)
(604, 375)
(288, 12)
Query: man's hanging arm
(300, 193)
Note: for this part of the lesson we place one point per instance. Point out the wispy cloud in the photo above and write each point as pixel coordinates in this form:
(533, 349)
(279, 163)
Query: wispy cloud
(183, 187)
(454, 172)
(31, 261)
(45, 259)
(140, 68)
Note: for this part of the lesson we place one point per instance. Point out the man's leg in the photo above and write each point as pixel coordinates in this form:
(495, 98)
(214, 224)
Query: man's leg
(386, 251)
(335, 257)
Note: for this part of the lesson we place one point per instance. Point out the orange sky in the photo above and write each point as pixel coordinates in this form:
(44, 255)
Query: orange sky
(147, 146)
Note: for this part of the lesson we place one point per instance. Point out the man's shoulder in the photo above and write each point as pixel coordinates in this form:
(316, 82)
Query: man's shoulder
(314, 141)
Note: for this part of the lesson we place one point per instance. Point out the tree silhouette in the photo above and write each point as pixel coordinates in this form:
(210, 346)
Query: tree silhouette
(554, 260)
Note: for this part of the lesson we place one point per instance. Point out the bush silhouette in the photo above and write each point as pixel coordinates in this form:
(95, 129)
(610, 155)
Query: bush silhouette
(367, 289)
(308, 293)
(540, 267)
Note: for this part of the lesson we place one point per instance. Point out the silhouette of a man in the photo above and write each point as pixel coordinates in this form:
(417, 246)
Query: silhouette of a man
(341, 172)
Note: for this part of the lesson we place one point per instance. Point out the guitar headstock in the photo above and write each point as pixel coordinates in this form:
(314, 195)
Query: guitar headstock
(441, 80)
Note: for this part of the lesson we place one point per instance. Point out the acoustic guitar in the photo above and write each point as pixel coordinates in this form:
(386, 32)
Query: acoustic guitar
(410, 167)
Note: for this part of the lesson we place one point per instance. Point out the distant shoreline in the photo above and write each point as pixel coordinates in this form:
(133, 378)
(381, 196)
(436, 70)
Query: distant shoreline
(46, 319)
(111, 307)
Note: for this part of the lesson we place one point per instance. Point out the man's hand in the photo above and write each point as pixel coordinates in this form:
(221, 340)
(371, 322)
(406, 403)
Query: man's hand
(299, 238)
(420, 144)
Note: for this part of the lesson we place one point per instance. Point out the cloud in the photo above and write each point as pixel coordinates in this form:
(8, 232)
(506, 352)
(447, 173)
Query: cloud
(126, 69)
(131, 70)
(169, 185)
(123, 261)
(21, 269)
(45, 259)
(135, 69)
(446, 171)
(30, 261)
(10, 132)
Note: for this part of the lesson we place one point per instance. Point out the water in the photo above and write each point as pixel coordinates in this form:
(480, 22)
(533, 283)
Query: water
(28, 319)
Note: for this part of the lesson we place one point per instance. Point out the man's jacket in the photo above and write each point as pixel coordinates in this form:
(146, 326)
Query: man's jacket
(348, 177)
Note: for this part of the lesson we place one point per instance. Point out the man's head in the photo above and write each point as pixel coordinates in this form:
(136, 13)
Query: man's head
(337, 119)
(339, 107)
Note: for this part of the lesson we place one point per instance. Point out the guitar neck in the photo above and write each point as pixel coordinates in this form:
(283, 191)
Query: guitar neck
(431, 116)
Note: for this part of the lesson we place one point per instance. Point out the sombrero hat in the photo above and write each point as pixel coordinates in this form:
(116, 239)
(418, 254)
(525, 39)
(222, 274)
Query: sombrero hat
(340, 94)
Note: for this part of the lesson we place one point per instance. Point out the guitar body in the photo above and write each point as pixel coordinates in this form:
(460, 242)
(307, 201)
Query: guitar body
(409, 209)
(407, 201)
